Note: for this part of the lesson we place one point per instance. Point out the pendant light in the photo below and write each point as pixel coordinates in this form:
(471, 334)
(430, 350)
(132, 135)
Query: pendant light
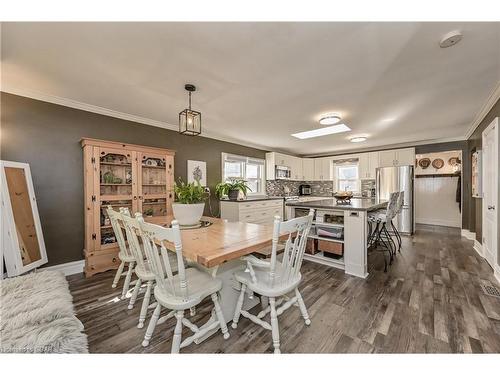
(189, 120)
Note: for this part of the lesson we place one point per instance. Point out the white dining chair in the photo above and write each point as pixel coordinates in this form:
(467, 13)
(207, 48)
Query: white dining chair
(181, 291)
(274, 279)
(142, 269)
(125, 254)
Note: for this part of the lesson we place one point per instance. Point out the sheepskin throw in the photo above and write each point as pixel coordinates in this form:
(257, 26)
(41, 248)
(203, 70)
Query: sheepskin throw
(37, 316)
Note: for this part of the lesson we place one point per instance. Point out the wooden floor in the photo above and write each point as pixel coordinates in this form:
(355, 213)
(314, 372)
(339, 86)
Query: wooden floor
(429, 301)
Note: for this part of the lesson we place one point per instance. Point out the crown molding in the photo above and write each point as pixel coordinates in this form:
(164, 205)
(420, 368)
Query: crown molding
(485, 109)
(387, 147)
(116, 114)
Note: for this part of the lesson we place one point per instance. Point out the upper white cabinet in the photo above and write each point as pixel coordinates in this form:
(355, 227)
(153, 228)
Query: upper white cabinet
(275, 158)
(296, 169)
(308, 169)
(368, 164)
(323, 169)
(395, 158)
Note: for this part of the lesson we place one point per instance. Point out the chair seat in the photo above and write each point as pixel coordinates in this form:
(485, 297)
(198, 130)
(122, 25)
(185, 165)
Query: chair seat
(264, 286)
(125, 258)
(144, 272)
(200, 285)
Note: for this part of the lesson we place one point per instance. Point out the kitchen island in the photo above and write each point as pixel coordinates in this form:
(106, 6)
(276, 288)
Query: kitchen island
(339, 233)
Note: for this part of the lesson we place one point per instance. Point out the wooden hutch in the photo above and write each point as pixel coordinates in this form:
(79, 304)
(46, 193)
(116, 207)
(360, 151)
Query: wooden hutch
(121, 175)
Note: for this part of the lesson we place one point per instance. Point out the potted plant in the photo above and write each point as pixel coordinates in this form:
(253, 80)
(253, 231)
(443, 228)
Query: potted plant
(232, 188)
(190, 202)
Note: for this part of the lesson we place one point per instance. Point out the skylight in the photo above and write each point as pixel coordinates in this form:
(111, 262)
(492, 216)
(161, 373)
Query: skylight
(340, 128)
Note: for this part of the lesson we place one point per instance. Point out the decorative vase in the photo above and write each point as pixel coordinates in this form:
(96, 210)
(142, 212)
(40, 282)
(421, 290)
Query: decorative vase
(233, 194)
(188, 214)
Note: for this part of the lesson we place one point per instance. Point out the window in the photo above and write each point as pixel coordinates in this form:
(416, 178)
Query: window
(245, 168)
(347, 177)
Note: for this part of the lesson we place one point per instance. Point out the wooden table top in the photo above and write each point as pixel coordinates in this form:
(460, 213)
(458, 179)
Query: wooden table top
(221, 241)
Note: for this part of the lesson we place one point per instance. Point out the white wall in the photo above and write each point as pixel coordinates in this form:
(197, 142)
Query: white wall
(435, 201)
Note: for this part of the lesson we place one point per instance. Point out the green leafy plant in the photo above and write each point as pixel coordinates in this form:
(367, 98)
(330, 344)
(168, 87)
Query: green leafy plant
(224, 188)
(189, 193)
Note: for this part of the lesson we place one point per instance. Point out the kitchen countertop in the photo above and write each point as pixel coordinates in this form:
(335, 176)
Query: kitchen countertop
(367, 204)
(252, 199)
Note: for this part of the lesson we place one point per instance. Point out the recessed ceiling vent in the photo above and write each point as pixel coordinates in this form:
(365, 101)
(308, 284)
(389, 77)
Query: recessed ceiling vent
(450, 39)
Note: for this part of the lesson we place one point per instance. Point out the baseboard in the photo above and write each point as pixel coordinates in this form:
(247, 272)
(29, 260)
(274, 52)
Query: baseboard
(468, 234)
(69, 268)
(442, 223)
(478, 247)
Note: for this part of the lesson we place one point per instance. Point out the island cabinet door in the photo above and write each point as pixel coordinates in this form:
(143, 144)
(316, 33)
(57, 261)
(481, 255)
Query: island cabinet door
(355, 257)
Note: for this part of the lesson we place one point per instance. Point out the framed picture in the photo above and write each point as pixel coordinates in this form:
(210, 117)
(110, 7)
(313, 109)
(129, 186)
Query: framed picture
(197, 171)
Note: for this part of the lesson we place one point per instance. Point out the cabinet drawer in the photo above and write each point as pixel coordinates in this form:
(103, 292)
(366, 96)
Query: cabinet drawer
(248, 206)
(331, 247)
(255, 215)
(99, 261)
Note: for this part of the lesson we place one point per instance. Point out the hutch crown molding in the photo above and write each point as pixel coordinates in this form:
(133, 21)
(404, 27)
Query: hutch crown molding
(121, 175)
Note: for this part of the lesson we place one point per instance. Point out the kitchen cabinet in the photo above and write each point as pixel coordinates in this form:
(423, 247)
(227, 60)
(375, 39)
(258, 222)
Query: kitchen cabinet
(257, 212)
(368, 164)
(296, 169)
(275, 158)
(323, 169)
(394, 158)
(308, 169)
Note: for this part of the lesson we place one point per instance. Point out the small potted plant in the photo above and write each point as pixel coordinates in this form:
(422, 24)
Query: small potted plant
(190, 202)
(232, 188)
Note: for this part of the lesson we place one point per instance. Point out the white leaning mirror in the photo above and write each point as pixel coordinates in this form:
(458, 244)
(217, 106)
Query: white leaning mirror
(23, 247)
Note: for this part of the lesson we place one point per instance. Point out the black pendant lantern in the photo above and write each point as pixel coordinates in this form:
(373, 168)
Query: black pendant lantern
(189, 120)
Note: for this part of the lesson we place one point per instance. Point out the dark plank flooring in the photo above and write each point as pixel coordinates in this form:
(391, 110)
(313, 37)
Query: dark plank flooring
(430, 301)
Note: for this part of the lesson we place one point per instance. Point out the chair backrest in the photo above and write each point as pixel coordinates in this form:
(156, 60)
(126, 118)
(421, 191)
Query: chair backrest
(392, 206)
(154, 237)
(132, 230)
(115, 218)
(295, 246)
(401, 200)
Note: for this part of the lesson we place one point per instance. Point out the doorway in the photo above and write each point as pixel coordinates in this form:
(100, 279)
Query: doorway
(490, 192)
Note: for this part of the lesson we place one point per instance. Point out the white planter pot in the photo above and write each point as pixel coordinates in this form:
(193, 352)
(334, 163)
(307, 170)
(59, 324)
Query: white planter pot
(188, 214)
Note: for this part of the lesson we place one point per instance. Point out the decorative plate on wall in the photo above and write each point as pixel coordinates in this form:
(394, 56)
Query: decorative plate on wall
(438, 163)
(424, 163)
(454, 161)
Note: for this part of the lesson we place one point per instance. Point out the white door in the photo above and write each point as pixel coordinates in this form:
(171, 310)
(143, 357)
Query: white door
(406, 156)
(490, 192)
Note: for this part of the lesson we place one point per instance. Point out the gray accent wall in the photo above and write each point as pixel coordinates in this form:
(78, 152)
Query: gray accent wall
(47, 137)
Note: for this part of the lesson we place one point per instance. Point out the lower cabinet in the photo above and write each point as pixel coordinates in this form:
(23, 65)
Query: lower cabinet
(257, 212)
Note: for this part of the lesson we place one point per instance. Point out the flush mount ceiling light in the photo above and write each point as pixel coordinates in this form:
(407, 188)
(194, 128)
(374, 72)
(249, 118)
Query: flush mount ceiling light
(189, 120)
(450, 39)
(340, 128)
(358, 139)
(330, 119)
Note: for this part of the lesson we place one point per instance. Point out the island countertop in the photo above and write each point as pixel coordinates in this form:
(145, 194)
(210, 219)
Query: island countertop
(364, 204)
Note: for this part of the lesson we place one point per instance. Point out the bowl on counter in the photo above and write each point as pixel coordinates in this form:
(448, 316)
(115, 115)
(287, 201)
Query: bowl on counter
(343, 196)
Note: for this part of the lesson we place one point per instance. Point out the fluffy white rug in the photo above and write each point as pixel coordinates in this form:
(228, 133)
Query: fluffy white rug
(37, 316)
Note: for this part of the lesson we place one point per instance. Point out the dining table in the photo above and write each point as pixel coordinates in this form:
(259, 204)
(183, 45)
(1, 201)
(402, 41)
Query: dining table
(217, 247)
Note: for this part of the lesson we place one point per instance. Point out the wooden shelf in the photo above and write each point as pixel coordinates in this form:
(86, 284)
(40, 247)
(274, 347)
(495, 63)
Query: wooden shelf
(115, 198)
(152, 203)
(155, 196)
(154, 184)
(153, 167)
(116, 164)
(102, 184)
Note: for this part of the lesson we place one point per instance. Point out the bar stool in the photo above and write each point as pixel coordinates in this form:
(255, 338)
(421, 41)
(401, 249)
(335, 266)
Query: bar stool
(399, 208)
(381, 235)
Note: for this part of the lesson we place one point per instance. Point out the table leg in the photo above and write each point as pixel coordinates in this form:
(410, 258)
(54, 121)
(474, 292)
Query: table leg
(229, 293)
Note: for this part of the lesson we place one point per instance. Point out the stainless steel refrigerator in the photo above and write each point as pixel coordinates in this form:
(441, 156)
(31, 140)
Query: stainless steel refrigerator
(393, 179)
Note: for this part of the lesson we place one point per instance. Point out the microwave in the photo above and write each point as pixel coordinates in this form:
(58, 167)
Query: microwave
(282, 173)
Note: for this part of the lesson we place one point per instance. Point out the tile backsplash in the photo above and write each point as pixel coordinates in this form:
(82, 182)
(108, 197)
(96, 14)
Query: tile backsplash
(319, 188)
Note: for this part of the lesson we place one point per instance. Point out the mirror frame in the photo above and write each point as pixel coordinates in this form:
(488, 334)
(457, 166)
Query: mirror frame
(10, 249)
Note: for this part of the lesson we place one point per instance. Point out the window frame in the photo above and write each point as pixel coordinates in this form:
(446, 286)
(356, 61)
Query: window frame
(244, 161)
(338, 179)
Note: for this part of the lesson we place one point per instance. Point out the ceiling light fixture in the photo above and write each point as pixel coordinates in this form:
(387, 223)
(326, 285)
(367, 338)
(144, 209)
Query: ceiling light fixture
(189, 120)
(340, 128)
(358, 139)
(330, 119)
